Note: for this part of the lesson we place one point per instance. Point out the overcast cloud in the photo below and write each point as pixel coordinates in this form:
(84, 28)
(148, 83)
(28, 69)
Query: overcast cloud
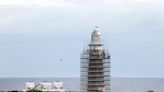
(37, 33)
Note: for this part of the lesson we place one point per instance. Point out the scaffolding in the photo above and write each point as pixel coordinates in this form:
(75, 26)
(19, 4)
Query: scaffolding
(95, 67)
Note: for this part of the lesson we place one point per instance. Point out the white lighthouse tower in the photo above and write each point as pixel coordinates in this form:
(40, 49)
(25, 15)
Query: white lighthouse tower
(95, 66)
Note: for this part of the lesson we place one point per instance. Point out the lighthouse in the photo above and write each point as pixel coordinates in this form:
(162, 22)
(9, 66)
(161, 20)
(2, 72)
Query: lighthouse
(95, 66)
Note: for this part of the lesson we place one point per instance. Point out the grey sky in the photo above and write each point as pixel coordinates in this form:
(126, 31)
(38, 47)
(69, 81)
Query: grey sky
(34, 35)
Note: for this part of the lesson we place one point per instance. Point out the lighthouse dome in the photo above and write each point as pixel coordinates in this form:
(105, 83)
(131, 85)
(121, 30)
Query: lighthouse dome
(96, 36)
(96, 31)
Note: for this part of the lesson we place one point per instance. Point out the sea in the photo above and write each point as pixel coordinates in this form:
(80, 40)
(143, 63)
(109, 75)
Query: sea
(117, 84)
